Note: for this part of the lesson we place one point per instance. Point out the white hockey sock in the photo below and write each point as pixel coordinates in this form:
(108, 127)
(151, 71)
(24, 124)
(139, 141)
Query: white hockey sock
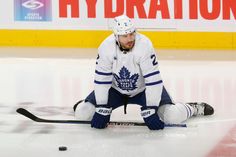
(85, 111)
(190, 110)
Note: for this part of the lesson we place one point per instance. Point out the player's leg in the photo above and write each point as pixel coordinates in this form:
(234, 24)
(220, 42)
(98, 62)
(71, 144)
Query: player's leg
(165, 97)
(179, 112)
(171, 113)
(175, 113)
(85, 109)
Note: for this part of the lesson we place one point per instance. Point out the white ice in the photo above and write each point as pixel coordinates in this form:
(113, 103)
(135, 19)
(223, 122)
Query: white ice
(49, 86)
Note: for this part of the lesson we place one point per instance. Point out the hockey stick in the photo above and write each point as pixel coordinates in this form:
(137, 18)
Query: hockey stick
(31, 116)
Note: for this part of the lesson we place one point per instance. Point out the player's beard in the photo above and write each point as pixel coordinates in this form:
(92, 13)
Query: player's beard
(129, 45)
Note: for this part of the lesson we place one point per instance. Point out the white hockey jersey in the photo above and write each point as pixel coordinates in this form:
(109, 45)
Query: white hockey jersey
(129, 73)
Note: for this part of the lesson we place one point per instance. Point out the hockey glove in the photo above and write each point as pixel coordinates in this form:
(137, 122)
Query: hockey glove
(101, 116)
(151, 118)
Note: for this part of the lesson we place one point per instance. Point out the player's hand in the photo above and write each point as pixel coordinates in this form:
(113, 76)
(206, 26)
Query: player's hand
(101, 116)
(151, 118)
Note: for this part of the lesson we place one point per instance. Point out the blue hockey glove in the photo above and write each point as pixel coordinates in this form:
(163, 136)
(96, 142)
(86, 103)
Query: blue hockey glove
(101, 116)
(151, 118)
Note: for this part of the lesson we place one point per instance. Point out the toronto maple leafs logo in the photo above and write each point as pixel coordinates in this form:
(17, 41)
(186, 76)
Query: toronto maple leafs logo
(125, 81)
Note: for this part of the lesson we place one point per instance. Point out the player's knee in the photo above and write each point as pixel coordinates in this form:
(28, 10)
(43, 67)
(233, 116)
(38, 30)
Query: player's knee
(84, 111)
(172, 116)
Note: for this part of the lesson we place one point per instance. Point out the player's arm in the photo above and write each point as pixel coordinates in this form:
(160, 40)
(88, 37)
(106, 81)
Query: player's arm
(152, 77)
(103, 77)
(102, 84)
(154, 86)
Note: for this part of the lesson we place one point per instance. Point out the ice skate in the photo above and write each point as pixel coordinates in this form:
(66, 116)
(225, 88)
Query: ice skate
(201, 108)
(75, 106)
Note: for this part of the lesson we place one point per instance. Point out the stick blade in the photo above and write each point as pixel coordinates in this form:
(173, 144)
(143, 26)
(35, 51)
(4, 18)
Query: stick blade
(27, 114)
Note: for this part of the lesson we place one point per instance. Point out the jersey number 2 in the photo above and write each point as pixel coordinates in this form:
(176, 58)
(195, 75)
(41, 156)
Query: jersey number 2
(153, 57)
(97, 59)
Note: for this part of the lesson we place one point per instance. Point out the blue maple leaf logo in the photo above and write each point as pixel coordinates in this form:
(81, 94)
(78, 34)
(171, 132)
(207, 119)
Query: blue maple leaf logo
(125, 81)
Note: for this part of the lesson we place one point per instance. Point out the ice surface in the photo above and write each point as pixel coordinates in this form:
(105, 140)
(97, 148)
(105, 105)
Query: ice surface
(50, 86)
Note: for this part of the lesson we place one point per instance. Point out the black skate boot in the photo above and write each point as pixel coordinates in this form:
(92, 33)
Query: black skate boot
(75, 106)
(201, 108)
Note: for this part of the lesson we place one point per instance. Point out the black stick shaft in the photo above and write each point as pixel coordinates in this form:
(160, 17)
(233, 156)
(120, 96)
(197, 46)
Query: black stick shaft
(31, 116)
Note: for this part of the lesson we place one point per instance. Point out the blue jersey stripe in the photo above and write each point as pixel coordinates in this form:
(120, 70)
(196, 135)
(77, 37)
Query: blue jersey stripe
(102, 73)
(102, 82)
(151, 74)
(153, 83)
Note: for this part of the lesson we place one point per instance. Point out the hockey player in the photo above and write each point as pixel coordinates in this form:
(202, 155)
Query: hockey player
(127, 73)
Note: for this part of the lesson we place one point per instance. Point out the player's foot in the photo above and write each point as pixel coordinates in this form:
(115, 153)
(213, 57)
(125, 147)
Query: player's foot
(201, 108)
(75, 106)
